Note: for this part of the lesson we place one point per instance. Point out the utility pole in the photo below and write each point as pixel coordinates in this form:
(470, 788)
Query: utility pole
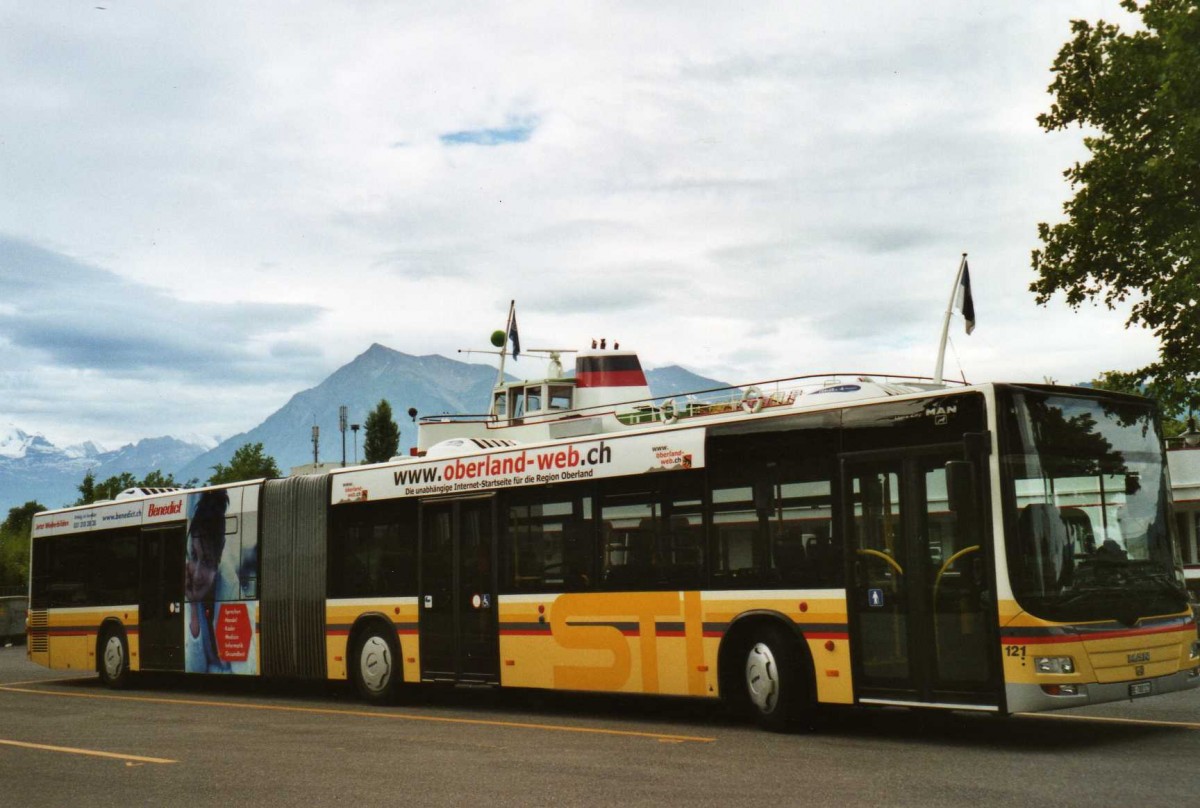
(354, 429)
(316, 439)
(342, 426)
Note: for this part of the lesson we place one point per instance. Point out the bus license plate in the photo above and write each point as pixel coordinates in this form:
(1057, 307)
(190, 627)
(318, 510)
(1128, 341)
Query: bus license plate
(1139, 689)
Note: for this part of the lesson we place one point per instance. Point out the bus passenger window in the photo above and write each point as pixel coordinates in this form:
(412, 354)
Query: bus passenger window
(653, 539)
(549, 547)
(801, 524)
(373, 550)
(741, 557)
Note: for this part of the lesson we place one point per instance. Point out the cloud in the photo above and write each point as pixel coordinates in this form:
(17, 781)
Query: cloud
(248, 195)
(84, 317)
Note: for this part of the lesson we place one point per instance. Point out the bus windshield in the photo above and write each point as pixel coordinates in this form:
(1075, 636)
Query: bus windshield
(1086, 506)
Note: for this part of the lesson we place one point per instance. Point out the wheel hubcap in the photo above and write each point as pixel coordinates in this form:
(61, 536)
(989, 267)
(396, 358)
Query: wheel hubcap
(375, 664)
(762, 678)
(114, 658)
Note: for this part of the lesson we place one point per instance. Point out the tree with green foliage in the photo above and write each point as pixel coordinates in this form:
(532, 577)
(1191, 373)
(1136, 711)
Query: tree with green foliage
(14, 545)
(108, 489)
(382, 440)
(87, 489)
(1132, 231)
(156, 479)
(1125, 383)
(249, 462)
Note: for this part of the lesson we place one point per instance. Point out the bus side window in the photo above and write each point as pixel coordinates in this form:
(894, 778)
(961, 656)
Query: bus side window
(736, 529)
(803, 550)
(372, 550)
(549, 543)
(653, 537)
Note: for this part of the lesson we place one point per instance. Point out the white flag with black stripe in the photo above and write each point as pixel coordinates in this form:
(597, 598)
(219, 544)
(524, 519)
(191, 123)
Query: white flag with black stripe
(964, 302)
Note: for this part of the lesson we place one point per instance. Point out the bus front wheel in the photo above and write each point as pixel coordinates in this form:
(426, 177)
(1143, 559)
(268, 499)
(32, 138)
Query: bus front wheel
(777, 691)
(113, 664)
(377, 668)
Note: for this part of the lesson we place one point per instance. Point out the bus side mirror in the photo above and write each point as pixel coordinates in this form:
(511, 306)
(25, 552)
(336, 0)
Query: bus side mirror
(960, 486)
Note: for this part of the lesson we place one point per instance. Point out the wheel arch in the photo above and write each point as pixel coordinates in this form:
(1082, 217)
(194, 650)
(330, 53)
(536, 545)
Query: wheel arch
(362, 623)
(736, 642)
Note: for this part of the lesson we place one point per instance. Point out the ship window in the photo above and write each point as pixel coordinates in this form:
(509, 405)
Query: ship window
(533, 398)
(501, 408)
(560, 396)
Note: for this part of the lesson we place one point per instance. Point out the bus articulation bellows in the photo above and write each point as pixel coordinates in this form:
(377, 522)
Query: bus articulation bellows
(823, 540)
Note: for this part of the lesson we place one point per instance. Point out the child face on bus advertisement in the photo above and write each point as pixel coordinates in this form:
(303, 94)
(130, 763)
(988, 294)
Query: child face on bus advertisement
(206, 542)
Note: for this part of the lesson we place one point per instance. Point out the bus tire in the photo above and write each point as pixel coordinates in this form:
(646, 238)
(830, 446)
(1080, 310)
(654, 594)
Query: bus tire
(777, 692)
(112, 657)
(375, 665)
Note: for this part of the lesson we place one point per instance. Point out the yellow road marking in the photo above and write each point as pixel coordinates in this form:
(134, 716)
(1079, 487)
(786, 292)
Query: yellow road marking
(657, 736)
(82, 678)
(93, 752)
(1144, 722)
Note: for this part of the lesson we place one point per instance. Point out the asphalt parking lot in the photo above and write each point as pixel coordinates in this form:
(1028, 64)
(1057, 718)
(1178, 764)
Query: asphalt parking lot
(174, 740)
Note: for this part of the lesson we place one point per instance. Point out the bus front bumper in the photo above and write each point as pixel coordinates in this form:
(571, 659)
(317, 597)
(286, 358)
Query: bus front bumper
(1026, 698)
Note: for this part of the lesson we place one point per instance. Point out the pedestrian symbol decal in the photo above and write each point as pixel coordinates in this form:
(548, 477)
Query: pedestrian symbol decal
(875, 598)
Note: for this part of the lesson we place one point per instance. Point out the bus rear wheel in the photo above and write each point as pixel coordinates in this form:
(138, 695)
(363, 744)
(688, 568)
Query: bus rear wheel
(113, 658)
(776, 688)
(376, 667)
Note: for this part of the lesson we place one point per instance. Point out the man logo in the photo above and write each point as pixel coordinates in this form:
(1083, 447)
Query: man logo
(1140, 656)
(941, 414)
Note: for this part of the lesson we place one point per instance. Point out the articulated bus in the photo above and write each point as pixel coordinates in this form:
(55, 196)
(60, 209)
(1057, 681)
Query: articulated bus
(995, 548)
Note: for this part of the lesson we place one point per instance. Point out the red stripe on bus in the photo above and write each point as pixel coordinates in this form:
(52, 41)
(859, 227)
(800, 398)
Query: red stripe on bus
(1099, 635)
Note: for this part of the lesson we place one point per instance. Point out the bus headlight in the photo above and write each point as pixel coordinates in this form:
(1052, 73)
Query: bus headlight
(1054, 664)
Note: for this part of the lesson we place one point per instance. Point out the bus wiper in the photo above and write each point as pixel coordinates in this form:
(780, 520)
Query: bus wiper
(1166, 583)
(1078, 595)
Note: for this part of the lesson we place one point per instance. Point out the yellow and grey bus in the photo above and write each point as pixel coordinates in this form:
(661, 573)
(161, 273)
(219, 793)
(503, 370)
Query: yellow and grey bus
(993, 548)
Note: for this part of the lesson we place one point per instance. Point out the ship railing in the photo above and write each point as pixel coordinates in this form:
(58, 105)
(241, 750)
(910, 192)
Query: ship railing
(752, 397)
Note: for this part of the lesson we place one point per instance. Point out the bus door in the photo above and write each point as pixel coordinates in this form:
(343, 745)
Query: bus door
(920, 595)
(459, 628)
(160, 598)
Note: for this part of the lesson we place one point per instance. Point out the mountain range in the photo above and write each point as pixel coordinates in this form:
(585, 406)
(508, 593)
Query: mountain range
(33, 468)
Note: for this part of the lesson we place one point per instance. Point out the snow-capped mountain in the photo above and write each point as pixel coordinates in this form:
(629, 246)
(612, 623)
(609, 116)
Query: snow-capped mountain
(16, 444)
(33, 468)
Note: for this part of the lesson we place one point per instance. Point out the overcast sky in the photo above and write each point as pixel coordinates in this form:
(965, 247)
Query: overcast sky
(207, 207)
